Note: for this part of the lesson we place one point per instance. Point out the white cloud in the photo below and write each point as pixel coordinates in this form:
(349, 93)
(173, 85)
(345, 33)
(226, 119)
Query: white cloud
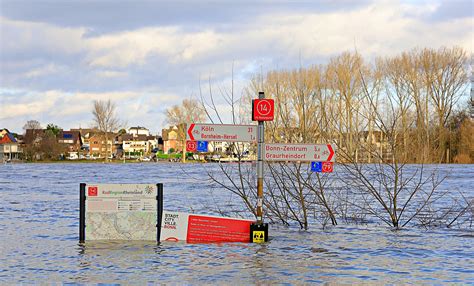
(43, 71)
(20, 36)
(153, 67)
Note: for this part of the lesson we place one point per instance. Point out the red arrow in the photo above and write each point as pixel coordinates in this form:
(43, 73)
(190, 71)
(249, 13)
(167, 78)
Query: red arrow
(331, 152)
(190, 132)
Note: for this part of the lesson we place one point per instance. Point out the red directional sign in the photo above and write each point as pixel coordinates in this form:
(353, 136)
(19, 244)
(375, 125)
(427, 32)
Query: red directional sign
(299, 152)
(191, 146)
(221, 132)
(263, 110)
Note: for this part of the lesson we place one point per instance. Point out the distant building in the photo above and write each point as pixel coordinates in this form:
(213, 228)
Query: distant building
(72, 139)
(9, 147)
(33, 136)
(173, 138)
(138, 145)
(86, 133)
(98, 147)
(136, 131)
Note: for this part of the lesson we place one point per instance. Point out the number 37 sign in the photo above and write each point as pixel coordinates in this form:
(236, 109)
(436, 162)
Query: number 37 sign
(263, 109)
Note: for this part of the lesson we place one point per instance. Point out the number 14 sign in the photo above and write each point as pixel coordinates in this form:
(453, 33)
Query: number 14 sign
(263, 109)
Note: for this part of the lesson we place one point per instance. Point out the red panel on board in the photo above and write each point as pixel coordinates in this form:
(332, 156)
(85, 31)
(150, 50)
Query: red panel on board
(212, 229)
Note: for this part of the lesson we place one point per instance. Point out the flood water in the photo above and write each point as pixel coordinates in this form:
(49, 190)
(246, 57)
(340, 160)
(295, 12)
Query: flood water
(39, 209)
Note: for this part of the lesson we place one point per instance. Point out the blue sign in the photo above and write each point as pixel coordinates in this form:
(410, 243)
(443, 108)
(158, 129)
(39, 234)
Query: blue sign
(316, 166)
(202, 146)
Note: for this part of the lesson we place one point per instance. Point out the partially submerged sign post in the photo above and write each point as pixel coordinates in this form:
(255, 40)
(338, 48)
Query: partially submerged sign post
(262, 110)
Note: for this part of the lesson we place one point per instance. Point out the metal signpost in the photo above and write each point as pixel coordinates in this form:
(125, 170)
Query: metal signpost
(321, 156)
(262, 110)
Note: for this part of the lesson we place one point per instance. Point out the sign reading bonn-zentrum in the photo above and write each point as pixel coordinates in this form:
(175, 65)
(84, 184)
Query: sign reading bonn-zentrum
(299, 152)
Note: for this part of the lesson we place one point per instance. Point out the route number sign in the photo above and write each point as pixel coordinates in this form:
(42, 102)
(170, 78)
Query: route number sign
(263, 110)
(328, 167)
(191, 146)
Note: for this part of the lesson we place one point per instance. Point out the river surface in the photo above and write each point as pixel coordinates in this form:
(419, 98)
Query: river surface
(39, 238)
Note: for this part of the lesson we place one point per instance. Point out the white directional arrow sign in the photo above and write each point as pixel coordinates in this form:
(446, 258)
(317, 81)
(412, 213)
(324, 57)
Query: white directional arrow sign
(221, 132)
(299, 152)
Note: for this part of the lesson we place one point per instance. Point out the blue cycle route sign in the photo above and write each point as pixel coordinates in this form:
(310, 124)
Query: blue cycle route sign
(202, 146)
(316, 166)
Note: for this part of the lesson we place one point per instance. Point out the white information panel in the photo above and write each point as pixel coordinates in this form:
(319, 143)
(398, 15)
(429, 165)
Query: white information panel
(299, 152)
(221, 132)
(121, 212)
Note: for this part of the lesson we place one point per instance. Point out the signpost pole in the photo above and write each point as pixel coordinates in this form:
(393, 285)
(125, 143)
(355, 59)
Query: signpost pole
(260, 140)
(259, 230)
(184, 128)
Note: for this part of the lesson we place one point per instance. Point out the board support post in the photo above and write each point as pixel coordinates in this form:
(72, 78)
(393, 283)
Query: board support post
(82, 212)
(159, 209)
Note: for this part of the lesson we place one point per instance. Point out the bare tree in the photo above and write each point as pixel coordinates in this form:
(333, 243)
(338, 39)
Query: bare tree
(106, 120)
(32, 124)
(445, 77)
(190, 110)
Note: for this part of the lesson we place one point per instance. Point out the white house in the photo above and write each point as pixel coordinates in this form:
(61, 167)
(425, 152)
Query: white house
(136, 131)
(9, 149)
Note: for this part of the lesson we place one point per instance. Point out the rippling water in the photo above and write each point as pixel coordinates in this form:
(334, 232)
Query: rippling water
(39, 238)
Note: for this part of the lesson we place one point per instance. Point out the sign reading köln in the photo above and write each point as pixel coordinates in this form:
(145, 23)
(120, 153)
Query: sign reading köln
(299, 152)
(221, 132)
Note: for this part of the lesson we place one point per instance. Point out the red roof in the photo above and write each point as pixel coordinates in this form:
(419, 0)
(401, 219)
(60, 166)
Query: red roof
(7, 138)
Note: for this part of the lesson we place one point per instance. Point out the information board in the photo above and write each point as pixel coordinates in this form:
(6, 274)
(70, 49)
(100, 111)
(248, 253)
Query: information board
(120, 211)
(192, 228)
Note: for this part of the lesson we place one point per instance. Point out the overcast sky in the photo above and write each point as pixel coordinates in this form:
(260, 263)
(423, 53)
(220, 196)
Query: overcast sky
(56, 57)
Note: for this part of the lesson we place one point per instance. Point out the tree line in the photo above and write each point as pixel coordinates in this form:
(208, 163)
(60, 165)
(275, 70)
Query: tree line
(409, 103)
(390, 113)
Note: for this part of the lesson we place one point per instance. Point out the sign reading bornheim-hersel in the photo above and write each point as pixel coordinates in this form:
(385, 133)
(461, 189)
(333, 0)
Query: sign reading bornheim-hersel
(221, 132)
(120, 211)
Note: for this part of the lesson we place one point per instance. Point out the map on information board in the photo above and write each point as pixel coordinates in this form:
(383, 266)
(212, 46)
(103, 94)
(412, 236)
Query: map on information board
(121, 212)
